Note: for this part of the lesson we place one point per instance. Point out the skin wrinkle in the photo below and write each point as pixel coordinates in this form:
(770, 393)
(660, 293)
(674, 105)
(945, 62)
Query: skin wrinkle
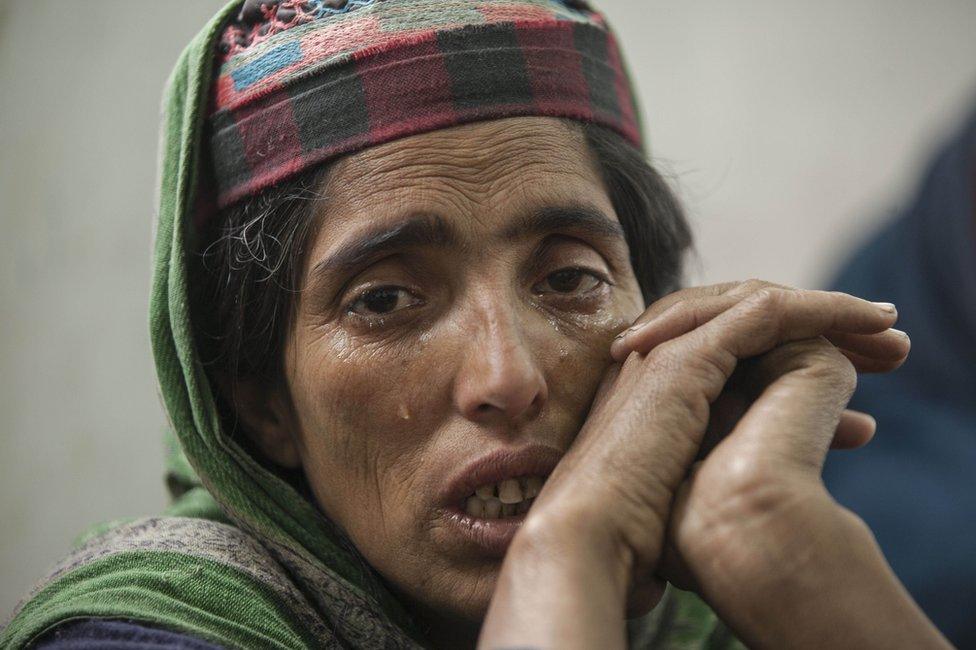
(468, 175)
(483, 362)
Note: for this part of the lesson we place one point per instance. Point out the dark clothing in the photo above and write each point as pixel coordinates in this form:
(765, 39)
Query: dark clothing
(106, 634)
(915, 484)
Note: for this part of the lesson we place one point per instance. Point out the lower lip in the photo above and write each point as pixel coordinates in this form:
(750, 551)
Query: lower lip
(493, 536)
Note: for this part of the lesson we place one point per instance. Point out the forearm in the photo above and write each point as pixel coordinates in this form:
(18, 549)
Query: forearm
(821, 585)
(556, 590)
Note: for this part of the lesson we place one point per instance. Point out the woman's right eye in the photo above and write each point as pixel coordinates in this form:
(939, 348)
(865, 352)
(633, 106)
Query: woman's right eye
(382, 301)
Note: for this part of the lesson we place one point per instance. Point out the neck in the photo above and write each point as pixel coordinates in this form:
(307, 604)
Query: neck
(445, 634)
(443, 631)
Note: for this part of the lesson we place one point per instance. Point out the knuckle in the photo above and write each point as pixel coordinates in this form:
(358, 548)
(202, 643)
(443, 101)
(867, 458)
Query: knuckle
(748, 287)
(773, 304)
(826, 363)
(766, 299)
(748, 482)
(663, 358)
(693, 376)
(753, 490)
(765, 308)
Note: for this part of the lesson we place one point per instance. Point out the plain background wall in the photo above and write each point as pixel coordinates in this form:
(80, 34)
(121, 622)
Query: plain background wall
(790, 128)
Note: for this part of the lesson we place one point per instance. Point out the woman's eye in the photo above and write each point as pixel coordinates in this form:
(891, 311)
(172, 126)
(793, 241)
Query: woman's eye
(572, 280)
(382, 300)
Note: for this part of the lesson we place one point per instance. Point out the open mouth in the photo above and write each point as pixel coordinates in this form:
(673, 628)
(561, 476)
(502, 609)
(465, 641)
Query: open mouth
(507, 498)
(485, 502)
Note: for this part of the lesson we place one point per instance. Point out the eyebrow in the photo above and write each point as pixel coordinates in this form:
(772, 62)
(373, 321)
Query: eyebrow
(416, 230)
(432, 230)
(583, 219)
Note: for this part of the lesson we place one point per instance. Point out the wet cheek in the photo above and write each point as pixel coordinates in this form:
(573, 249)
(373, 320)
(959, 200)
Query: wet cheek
(582, 355)
(365, 423)
(575, 374)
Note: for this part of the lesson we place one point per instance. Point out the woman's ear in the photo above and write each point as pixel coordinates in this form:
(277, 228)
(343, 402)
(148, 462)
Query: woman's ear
(266, 417)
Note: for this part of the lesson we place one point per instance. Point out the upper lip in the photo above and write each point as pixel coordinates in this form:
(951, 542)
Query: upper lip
(498, 465)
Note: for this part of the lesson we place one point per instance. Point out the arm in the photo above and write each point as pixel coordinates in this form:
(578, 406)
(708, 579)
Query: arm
(579, 583)
(816, 579)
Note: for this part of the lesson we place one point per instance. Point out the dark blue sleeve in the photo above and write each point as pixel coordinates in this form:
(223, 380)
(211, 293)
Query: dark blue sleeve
(915, 484)
(108, 634)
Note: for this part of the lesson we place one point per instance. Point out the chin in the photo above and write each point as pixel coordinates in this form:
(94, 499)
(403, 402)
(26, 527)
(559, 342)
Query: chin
(456, 594)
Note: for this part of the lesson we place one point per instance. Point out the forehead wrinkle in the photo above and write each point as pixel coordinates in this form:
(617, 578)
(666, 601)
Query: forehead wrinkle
(495, 150)
(437, 188)
(517, 167)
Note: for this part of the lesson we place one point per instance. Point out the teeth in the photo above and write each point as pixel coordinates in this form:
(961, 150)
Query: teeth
(474, 506)
(509, 491)
(531, 486)
(493, 508)
(507, 498)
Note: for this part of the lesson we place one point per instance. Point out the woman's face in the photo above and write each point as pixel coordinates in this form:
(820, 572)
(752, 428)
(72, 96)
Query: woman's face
(458, 304)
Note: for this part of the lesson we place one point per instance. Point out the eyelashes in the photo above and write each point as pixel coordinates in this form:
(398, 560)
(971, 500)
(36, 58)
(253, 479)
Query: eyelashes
(382, 301)
(377, 305)
(573, 280)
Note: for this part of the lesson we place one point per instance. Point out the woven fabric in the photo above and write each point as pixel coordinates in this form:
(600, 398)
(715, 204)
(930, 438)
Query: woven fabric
(293, 94)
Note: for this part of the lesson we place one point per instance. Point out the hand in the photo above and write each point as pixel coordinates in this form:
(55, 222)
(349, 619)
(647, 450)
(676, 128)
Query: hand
(649, 420)
(686, 309)
(597, 529)
(752, 528)
(809, 369)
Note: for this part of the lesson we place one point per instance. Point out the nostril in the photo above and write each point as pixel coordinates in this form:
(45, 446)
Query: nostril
(503, 379)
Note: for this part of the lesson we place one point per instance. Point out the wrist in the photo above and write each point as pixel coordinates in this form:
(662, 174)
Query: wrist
(574, 540)
(812, 575)
(559, 586)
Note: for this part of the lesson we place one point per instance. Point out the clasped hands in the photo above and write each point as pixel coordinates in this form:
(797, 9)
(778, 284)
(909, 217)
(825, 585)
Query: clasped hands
(699, 463)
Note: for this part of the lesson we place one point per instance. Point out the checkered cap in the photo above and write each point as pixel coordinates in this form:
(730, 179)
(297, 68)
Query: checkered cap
(301, 82)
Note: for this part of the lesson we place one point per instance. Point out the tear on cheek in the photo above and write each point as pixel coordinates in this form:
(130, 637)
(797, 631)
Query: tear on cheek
(403, 411)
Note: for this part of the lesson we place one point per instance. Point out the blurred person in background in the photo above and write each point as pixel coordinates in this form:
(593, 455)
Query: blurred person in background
(915, 484)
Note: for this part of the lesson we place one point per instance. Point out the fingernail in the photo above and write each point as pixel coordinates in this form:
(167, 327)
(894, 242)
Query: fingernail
(898, 332)
(629, 330)
(885, 307)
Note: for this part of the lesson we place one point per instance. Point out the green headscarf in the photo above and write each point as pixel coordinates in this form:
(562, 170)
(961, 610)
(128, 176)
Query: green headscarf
(239, 558)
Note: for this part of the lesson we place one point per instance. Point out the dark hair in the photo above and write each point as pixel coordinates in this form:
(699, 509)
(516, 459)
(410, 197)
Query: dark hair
(246, 280)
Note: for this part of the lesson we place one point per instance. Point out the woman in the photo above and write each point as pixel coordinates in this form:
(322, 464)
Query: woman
(397, 242)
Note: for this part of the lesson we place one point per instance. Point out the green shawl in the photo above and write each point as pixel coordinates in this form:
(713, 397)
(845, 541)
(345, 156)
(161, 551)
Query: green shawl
(239, 558)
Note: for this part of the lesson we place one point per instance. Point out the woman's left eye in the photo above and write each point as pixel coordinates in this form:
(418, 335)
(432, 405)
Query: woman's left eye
(571, 281)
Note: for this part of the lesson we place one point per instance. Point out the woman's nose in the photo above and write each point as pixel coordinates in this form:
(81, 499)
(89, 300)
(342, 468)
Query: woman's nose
(500, 375)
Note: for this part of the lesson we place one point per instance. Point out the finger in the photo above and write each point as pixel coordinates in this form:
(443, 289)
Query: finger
(672, 566)
(691, 293)
(771, 317)
(854, 430)
(870, 353)
(690, 314)
(679, 317)
(881, 352)
(798, 415)
(736, 290)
